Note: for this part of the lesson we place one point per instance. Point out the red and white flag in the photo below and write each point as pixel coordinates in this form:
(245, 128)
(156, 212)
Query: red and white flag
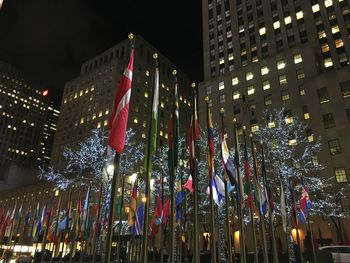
(119, 118)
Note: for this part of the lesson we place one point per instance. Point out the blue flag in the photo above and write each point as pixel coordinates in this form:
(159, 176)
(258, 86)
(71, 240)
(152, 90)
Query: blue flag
(136, 229)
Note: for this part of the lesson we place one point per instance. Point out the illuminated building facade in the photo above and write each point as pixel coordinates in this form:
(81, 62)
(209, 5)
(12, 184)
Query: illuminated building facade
(27, 122)
(287, 53)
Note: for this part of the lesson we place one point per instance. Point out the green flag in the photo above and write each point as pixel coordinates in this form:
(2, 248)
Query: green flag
(119, 206)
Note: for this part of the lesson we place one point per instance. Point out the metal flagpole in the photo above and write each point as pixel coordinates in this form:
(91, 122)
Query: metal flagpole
(312, 240)
(251, 209)
(229, 243)
(261, 216)
(272, 228)
(195, 257)
(96, 230)
(161, 223)
(211, 176)
(144, 253)
(240, 209)
(120, 220)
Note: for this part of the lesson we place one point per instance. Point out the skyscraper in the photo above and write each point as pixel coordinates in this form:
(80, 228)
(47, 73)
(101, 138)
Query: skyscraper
(288, 53)
(27, 122)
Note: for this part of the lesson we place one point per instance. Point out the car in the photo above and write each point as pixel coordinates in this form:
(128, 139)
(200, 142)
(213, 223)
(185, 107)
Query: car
(340, 254)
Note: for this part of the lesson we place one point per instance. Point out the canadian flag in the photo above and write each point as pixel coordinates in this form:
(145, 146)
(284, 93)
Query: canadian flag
(119, 118)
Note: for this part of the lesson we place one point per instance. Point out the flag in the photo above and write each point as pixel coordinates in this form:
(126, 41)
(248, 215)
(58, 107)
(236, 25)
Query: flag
(28, 214)
(283, 208)
(176, 124)
(227, 163)
(218, 188)
(247, 184)
(305, 204)
(196, 123)
(166, 211)
(136, 228)
(133, 201)
(41, 221)
(119, 118)
(178, 202)
(211, 135)
(154, 118)
(189, 184)
(119, 206)
(266, 185)
(293, 206)
(191, 139)
(86, 210)
(158, 213)
(35, 220)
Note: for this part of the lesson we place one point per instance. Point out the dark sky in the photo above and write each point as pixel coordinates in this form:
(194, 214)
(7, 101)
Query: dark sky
(49, 39)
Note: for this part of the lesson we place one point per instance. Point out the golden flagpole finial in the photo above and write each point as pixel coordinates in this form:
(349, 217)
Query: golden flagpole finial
(155, 55)
(174, 72)
(131, 36)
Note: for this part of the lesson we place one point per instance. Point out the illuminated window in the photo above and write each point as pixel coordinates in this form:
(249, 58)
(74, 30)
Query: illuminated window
(281, 64)
(161, 133)
(105, 122)
(264, 70)
(271, 124)
(249, 76)
(143, 135)
(328, 3)
(100, 114)
(288, 20)
(335, 29)
(94, 116)
(324, 48)
(309, 135)
(300, 74)
(146, 94)
(266, 85)
(250, 90)
(297, 58)
(267, 100)
(276, 25)
(230, 57)
(221, 61)
(65, 100)
(221, 85)
(299, 15)
(328, 62)
(235, 95)
(339, 43)
(322, 34)
(323, 96)
(340, 175)
(292, 142)
(315, 8)
(283, 79)
(162, 104)
(81, 120)
(345, 89)
(136, 120)
(262, 31)
(235, 81)
(99, 125)
(306, 113)
(285, 95)
(106, 112)
(254, 127)
(81, 93)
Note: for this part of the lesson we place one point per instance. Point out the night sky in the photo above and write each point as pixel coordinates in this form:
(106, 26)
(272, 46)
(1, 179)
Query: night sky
(48, 40)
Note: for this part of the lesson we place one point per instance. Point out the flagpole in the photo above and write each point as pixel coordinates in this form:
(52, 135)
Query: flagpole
(211, 176)
(256, 258)
(120, 220)
(56, 227)
(144, 253)
(272, 228)
(240, 210)
(229, 243)
(296, 223)
(312, 240)
(98, 225)
(195, 257)
(161, 223)
(261, 216)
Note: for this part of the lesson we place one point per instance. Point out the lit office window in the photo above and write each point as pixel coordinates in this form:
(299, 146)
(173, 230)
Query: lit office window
(251, 90)
(340, 175)
(234, 81)
(249, 75)
(264, 70)
(266, 84)
(297, 58)
(281, 64)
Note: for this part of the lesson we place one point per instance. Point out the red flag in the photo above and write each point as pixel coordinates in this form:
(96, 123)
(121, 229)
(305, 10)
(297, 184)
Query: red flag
(166, 211)
(188, 185)
(119, 117)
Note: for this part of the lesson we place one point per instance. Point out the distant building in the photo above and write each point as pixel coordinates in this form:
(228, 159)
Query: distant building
(27, 123)
(282, 53)
(88, 99)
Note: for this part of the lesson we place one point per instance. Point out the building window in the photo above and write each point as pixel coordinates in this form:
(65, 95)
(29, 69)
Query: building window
(285, 95)
(266, 84)
(300, 74)
(251, 90)
(264, 70)
(323, 96)
(234, 81)
(340, 175)
(297, 58)
(345, 88)
(235, 94)
(249, 76)
(281, 64)
(221, 85)
(268, 100)
(301, 90)
(306, 113)
(208, 90)
(328, 62)
(334, 147)
(283, 79)
(328, 121)
(222, 99)
(309, 135)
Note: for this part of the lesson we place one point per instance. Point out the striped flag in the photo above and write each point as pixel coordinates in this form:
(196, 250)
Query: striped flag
(119, 118)
(189, 184)
(247, 183)
(218, 187)
(138, 226)
(133, 202)
(227, 163)
(305, 204)
(155, 103)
